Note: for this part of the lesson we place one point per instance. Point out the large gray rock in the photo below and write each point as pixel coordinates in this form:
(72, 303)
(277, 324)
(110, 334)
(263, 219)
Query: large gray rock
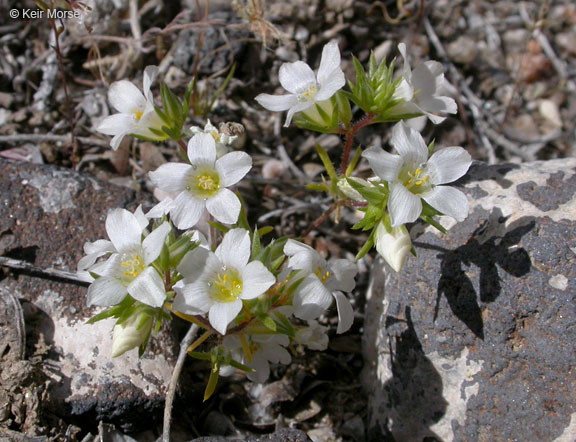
(46, 215)
(475, 339)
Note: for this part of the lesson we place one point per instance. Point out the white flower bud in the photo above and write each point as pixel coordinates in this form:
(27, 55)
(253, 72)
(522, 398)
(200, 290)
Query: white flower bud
(131, 333)
(394, 246)
(349, 191)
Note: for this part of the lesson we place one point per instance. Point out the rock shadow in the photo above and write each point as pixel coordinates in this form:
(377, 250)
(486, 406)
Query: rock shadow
(414, 392)
(490, 247)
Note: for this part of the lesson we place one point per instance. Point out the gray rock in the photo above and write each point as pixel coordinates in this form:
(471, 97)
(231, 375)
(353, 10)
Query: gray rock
(475, 339)
(46, 215)
(283, 435)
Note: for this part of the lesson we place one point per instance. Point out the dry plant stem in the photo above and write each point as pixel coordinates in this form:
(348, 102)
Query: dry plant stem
(320, 220)
(353, 130)
(40, 138)
(48, 273)
(66, 94)
(186, 342)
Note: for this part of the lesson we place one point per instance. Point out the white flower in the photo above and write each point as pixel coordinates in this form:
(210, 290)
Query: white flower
(127, 270)
(222, 140)
(393, 246)
(203, 183)
(136, 110)
(314, 336)
(216, 283)
(263, 350)
(322, 282)
(131, 333)
(421, 89)
(414, 177)
(306, 88)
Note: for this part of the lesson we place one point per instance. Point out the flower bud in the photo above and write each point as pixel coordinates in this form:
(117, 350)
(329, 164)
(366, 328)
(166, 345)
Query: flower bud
(349, 191)
(393, 246)
(131, 333)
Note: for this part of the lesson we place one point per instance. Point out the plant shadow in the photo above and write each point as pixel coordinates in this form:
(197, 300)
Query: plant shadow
(491, 247)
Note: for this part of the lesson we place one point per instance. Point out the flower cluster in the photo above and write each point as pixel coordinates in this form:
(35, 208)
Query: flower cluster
(255, 302)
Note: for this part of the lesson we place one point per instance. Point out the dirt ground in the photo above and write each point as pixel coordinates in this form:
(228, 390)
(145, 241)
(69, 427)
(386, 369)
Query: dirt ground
(511, 65)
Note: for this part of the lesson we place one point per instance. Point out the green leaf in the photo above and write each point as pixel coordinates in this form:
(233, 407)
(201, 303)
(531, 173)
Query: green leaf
(366, 247)
(212, 381)
(327, 163)
(240, 366)
(199, 355)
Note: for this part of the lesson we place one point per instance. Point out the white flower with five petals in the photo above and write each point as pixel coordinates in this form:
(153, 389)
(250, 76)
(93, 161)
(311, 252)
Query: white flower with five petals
(414, 177)
(202, 184)
(321, 282)
(127, 270)
(264, 349)
(422, 90)
(136, 110)
(216, 283)
(304, 86)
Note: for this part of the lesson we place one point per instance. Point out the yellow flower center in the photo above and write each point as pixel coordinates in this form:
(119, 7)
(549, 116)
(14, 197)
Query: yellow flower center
(416, 181)
(137, 114)
(133, 266)
(204, 183)
(322, 274)
(227, 286)
(215, 135)
(308, 94)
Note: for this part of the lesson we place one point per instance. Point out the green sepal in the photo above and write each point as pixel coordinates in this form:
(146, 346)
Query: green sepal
(367, 246)
(256, 244)
(268, 322)
(374, 194)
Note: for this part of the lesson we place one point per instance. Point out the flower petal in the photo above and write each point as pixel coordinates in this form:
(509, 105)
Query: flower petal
(336, 82)
(344, 273)
(298, 107)
(106, 291)
(232, 167)
(222, 314)
(94, 250)
(449, 201)
(404, 206)
(345, 312)
(150, 74)
(193, 299)
(329, 62)
(234, 250)
(148, 288)
(194, 263)
(141, 218)
(154, 242)
(404, 91)
(407, 68)
(277, 103)
(202, 149)
(162, 208)
(296, 77)
(302, 256)
(123, 230)
(409, 144)
(256, 279)
(186, 211)
(125, 97)
(117, 124)
(384, 164)
(171, 177)
(311, 299)
(448, 164)
(224, 206)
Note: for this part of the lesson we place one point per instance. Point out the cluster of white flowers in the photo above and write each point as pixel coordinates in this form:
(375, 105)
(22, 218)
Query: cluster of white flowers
(253, 300)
